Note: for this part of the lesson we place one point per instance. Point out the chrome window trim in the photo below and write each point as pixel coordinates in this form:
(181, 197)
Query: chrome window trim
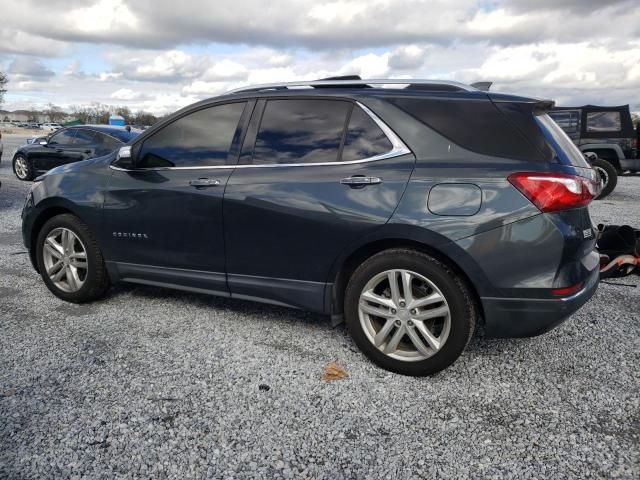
(398, 148)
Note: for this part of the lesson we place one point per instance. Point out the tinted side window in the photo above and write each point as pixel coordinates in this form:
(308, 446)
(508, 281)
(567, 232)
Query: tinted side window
(64, 137)
(364, 137)
(603, 122)
(300, 131)
(84, 137)
(477, 125)
(202, 138)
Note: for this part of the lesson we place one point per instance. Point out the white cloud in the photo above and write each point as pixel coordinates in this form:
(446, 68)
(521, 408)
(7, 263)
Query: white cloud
(159, 55)
(128, 95)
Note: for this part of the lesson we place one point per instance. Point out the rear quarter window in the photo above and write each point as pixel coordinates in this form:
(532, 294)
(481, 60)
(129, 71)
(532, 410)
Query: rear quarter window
(474, 124)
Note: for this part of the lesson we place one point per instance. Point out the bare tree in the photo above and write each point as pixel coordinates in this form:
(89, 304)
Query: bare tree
(55, 113)
(3, 82)
(144, 118)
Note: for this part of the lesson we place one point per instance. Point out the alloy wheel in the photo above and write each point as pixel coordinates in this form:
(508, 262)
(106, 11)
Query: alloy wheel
(21, 168)
(404, 315)
(65, 259)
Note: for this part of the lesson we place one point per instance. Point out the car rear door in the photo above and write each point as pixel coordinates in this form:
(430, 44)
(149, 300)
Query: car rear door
(163, 220)
(315, 174)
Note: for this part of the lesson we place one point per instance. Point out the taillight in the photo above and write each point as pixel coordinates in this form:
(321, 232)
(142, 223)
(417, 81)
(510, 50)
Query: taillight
(551, 192)
(634, 143)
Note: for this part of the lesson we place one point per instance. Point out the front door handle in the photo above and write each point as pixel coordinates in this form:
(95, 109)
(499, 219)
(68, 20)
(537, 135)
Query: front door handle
(204, 182)
(360, 181)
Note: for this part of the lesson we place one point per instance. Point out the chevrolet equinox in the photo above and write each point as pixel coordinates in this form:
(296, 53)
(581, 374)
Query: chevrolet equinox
(416, 210)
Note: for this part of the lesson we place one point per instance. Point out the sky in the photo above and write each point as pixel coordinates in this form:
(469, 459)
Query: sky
(160, 55)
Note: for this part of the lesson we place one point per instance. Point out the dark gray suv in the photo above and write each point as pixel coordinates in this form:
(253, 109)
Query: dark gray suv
(416, 211)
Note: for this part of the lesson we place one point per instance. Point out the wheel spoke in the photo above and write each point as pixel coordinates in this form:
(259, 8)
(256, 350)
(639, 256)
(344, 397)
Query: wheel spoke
(417, 341)
(393, 286)
(55, 268)
(52, 251)
(67, 241)
(378, 312)
(406, 286)
(382, 334)
(435, 297)
(433, 313)
(55, 246)
(392, 346)
(371, 297)
(429, 337)
(59, 274)
(72, 277)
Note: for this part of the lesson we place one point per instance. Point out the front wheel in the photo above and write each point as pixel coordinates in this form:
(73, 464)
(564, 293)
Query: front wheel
(608, 176)
(408, 312)
(70, 261)
(22, 168)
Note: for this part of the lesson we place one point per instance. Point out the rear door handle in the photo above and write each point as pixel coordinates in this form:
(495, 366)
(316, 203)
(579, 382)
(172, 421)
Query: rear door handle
(360, 181)
(204, 182)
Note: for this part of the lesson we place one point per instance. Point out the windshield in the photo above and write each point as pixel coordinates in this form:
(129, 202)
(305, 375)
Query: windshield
(565, 151)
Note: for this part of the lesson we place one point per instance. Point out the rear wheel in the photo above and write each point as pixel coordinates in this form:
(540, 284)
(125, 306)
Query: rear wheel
(70, 261)
(408, 312)
(608, 176)
(22, 168)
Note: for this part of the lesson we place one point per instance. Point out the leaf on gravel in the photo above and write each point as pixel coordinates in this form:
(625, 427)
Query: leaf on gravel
(333, 371)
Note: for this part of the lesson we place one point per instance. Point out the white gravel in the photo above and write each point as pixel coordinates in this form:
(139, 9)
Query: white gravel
(160, 384)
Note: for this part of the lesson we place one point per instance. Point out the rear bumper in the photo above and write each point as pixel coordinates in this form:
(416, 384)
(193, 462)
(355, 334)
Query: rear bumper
(528, 317)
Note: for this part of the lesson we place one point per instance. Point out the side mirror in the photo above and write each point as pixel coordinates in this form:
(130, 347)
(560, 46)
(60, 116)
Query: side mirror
(124, 158)
(43, 142)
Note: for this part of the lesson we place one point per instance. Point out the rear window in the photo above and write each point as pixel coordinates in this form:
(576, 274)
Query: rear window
(603, 122)
(564, 150)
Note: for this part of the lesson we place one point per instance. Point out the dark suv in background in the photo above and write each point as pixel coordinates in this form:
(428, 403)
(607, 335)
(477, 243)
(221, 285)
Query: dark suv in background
(417, 213)
(606, 131)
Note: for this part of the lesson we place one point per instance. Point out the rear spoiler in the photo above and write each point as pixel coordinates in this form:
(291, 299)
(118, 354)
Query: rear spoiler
(543, 106)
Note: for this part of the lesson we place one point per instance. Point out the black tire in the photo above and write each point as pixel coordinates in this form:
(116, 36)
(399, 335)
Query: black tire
(29, 174)
(96, 282)
(458, 297)
(608, 173)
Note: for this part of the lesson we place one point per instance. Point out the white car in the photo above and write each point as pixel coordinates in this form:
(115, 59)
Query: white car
(51, 127)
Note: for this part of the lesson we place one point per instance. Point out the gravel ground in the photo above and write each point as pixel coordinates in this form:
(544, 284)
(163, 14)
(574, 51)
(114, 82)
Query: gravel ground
(160, 384)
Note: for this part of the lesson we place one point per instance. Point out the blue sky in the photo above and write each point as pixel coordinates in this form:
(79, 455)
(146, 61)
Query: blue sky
(157, 55)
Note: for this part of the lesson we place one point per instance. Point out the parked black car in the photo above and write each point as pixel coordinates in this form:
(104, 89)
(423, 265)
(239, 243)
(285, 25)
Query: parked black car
(68, 145)
(417, 213)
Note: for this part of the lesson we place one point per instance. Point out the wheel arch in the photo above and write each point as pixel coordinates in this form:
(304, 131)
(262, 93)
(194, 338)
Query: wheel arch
(414, 238)
(610, 153)
(51, 209)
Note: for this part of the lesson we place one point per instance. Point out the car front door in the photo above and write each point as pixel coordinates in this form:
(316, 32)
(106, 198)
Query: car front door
(56, 152)
(314, 176)
(163, 219)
